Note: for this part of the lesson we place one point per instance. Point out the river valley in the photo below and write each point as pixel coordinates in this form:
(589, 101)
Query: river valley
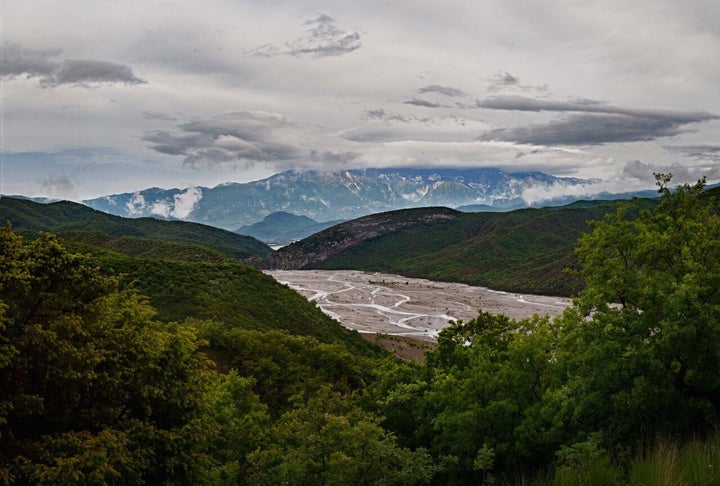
(391, 304)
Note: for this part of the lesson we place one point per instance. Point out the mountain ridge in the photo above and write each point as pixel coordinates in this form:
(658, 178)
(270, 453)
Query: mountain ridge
(336, 195)
(282, 227)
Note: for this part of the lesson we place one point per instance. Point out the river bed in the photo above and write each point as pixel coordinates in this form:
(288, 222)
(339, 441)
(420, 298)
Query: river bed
(391, 304)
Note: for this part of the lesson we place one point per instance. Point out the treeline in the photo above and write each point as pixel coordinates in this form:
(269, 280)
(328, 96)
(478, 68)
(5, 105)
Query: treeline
(95, 389)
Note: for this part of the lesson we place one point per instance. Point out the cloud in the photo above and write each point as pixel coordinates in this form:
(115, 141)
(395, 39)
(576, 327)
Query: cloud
(136, 205)
(522, 103)
(424, 103)
(503, 81)
(444, 90)
(381, 114)
(159, 116)
(700, 152)
(682, 173)
(236, 136)
(591, 129)
(52, 72)
(58, 187)
(382, 127)
(593, 123)
(323, 38)
(333, 158)
(186, 201)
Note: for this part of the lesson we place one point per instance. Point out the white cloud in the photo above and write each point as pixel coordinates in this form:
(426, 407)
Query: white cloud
(186, 201)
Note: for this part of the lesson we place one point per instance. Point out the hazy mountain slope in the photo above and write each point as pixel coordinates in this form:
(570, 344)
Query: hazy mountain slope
(525, 250)
(281, 228)
(62, 217)
(338, 195)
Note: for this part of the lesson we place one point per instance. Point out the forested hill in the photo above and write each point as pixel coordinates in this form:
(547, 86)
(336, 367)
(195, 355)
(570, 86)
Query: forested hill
(526, 250)
(67, 217)
(339, 238)
(186, 270)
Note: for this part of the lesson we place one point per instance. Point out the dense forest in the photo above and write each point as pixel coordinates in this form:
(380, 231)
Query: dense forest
(104, 379)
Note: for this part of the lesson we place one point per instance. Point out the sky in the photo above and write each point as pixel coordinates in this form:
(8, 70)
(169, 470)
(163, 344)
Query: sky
(107, 96)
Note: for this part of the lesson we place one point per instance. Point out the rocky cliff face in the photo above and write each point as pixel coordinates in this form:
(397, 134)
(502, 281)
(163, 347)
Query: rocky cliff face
(339, 238)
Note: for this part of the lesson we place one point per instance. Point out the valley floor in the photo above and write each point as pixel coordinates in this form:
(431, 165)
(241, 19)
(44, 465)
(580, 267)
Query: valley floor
(400, 306)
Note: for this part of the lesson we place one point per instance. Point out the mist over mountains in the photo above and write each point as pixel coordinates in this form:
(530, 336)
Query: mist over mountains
(347, 194)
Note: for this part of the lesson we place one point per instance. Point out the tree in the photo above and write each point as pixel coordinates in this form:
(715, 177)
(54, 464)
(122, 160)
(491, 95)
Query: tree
(644, 337)
(91, 388)
(328, 440)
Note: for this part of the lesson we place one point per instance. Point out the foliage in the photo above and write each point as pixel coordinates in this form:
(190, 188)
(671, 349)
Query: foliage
(520, 251)
(69, 217)
(94, 388)
(330, 441)
(85, 375)
(652, 340)
(634, 359)
(266, 357)
(231, 293)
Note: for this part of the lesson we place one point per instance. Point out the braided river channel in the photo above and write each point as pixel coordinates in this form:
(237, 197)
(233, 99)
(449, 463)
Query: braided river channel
(391, 304)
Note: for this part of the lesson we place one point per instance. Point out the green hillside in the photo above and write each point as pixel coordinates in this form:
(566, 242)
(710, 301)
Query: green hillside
(186, 270)
(65, 216)
(525, 250)
(234, 294)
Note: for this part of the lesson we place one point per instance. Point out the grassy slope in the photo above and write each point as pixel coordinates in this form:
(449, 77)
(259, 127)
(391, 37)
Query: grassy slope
(64, 217)
(183, 279)
(524, 251)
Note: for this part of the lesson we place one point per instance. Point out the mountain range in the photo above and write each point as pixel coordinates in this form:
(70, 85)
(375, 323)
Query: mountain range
(340, 195)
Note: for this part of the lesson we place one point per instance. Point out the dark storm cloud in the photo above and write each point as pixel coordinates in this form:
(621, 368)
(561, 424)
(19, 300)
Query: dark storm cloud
(593, 129)
(51, 72)
(323, 38)
(228, 137)
(593, 123)
(444, 90)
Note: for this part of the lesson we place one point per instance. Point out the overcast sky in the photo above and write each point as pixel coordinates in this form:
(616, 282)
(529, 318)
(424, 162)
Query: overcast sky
(108, 96)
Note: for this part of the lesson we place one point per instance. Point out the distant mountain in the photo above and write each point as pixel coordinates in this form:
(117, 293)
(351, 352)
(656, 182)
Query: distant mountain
(85, 223)
(336, 195)
(281, 228)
